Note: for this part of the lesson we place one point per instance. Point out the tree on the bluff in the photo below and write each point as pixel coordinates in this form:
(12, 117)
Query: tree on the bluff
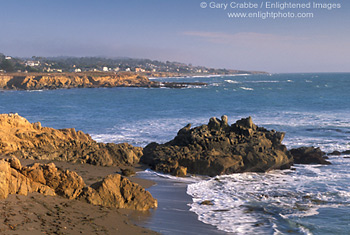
(7, 65)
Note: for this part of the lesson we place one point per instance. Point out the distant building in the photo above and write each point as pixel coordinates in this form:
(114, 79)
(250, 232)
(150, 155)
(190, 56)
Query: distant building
(32, 63)
(105, 69)
(116, 69)
(8, 58)
(127, 69)
(138, 70)
(77, 70)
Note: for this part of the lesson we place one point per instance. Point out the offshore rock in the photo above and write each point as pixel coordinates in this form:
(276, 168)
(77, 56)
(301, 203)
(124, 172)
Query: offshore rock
(335, 153)
(113, 191)
(23, 139)
(309, 155)
(218, 148)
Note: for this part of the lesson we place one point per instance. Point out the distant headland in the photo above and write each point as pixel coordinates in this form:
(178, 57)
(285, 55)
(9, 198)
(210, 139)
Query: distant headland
(48, 81)
(38, 73)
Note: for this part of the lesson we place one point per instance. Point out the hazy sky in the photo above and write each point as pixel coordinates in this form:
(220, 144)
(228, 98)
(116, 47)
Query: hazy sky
(178, 30)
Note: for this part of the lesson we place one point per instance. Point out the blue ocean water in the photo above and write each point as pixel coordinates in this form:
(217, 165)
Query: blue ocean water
(313, 110)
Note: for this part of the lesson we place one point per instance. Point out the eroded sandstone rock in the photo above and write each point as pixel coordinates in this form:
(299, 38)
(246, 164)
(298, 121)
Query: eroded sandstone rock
(117, 191)
(113, 191)
(23, 139)
(38, 81)
(218, 148)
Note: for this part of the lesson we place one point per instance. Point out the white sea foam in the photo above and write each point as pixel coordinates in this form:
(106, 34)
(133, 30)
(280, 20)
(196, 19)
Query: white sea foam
(232, 81)
(247, 88)
(189, 179)
(194, 87)
(34, 90)
(143, 132)
(252, 202)
(107, 137)
(215, 84)
(268, 81)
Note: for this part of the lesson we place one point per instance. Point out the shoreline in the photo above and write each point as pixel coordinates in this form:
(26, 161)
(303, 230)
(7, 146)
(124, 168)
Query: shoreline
(172, 215)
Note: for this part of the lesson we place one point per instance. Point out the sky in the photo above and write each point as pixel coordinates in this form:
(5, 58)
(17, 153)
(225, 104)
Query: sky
(179, 30)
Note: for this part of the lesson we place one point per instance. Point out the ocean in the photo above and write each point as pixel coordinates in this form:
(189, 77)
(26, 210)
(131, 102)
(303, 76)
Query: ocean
(313, 110)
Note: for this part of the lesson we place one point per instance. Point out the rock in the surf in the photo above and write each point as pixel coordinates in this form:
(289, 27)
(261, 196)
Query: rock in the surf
(335, 153)
(309, 155)
(219, 148)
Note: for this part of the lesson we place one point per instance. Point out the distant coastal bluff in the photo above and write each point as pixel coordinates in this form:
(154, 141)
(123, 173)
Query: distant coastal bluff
(41, 81)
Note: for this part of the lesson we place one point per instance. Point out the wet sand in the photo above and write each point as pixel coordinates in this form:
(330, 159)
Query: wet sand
(172, 216)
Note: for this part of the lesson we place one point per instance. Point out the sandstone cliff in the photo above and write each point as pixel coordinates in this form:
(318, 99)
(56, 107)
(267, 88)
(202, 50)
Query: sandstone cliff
(112, 191)
(23, 139)
(219, 148)
(39, 81)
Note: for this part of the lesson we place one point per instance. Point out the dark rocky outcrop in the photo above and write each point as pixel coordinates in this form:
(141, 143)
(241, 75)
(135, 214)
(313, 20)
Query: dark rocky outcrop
(127, 172)
(335, 153)
(23, 139)
(219, 148)
(309, 155)
(112, 191)
(207, 203)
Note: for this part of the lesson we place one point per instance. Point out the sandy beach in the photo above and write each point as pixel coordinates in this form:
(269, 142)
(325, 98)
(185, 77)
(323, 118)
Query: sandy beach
(39, 214)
